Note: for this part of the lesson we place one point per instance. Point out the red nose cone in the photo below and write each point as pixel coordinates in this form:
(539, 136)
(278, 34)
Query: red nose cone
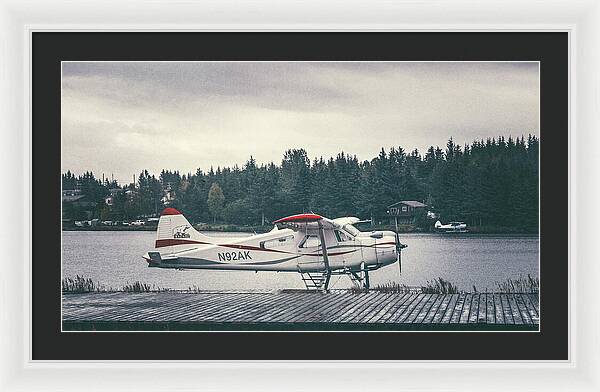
(170, 211)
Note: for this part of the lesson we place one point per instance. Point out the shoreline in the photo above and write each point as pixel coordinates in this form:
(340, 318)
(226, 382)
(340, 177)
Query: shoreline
(266, 229)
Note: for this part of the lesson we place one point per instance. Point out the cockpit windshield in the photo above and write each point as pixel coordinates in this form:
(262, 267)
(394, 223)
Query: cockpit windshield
(348, 228)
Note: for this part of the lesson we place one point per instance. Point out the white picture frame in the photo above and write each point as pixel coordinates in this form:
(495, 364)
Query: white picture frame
(19, 19)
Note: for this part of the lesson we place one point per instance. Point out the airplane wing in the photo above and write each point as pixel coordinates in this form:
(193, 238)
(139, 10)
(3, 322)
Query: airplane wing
(304, 221)
(300, 218)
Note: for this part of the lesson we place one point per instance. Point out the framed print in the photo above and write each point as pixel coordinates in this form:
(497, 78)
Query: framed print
(314, 247)
(261, 200)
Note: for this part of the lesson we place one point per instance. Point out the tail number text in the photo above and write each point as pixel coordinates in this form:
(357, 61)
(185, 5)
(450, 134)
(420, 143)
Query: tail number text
(235, 256)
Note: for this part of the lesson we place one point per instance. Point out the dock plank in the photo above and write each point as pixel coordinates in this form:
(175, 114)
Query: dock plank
(358, 307)
(393, 308)
(166, 308)
(514, 311)
(433, 311)
(382, 302)
(535, 301)
(325, 308)
(247, 310)
(321, 302)
(288, 307)
(474, 309)
(523, 311)
(402, 317)
(340, 307)
(427, 308)
(490, 310)
(447, 316)
(399, 310)
(507, 313)
(458, 308)
(270, 309)
(535, 317)
(482, 314)
(202, 312)
(419, 309)
(193, 305)
(466, 311)
(499, 308)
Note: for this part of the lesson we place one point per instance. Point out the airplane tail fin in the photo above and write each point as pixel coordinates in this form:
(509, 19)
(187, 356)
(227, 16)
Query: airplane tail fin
(176, 233)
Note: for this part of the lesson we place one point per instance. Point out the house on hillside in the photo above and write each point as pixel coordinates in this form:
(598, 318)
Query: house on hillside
(406, 210)
(77, 205)
(110, 199)
(168, 195)
(70, 195)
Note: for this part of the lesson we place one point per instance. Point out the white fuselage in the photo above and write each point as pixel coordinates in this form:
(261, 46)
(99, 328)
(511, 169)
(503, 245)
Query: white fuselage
(278, 250)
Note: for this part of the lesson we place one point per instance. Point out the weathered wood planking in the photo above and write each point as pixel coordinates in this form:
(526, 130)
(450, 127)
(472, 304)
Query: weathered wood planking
(288, 307)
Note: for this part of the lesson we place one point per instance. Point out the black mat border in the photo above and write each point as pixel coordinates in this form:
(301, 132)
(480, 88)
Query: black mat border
(49, 48)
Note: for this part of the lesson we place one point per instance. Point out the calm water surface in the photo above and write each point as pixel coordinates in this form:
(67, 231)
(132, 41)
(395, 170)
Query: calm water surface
(115, 259)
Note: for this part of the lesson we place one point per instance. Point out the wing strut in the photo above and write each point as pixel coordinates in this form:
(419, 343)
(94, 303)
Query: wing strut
(325, 255)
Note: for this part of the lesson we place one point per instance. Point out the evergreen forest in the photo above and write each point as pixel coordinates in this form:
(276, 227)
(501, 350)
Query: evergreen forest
(489, 183)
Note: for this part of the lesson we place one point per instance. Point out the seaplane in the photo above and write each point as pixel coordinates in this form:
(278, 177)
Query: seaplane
(452, 227)
(312, 245)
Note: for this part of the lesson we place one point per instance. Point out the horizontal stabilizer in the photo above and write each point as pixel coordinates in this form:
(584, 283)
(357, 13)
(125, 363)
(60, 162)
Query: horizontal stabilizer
(154, 256)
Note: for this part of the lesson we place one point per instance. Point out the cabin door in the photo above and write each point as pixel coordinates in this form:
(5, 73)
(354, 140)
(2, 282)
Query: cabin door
(346, 253)
(312, 256)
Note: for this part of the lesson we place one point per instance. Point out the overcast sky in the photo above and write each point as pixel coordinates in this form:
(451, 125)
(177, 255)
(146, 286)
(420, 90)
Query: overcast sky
(120, 118)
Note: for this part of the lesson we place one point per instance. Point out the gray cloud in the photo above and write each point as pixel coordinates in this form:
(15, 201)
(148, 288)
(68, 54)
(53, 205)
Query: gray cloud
(273, 85)
(123, 117)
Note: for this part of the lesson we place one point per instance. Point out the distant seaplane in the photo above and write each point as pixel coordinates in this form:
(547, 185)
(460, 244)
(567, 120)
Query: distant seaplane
(309, 244)
(452, 227)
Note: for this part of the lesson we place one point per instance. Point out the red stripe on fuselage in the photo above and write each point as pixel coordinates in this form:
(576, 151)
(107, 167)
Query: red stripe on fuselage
(384, 243)
(328, 254)
(248, 247)
(176, 241)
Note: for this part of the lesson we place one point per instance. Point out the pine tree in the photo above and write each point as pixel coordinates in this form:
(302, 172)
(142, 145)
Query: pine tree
(215, 201)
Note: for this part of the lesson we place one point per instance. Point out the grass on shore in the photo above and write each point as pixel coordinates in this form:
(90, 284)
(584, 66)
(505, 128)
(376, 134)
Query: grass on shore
(529, 285)
(439, 286)
(79, 284)
(521, 285)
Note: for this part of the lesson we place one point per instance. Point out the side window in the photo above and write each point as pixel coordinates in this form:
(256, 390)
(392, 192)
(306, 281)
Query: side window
(310, 241)
(341, 236)
(337, 235)
(274, 243)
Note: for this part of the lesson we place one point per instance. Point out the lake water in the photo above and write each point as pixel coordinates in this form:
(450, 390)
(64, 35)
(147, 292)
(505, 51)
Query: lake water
(115, 258)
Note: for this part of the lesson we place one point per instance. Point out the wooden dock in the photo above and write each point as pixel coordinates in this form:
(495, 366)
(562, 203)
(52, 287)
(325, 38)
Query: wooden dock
(299, 310)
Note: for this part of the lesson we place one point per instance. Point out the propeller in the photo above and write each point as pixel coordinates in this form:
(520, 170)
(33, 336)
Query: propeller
(399, 246)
